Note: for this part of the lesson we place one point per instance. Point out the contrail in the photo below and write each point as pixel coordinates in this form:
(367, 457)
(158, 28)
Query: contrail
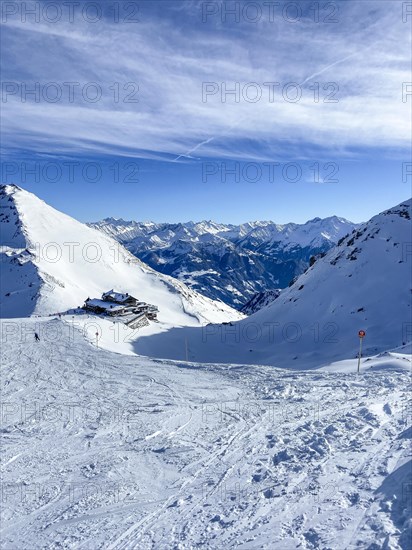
(301, 84)
(328, 67)
(205, 142)
(187, 154)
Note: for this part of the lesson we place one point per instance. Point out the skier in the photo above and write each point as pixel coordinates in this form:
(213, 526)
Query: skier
(36, 337)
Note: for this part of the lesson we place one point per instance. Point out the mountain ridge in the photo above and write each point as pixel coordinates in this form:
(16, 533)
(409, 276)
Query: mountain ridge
(228, 262)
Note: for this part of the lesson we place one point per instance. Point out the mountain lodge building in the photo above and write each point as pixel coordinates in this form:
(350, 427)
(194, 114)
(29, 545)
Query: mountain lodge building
(117, 304)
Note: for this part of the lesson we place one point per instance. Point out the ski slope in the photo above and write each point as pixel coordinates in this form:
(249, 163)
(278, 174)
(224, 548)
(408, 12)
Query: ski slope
(106, 451)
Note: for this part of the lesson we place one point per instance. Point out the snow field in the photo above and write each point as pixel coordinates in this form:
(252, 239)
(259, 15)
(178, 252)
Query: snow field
(103, 450)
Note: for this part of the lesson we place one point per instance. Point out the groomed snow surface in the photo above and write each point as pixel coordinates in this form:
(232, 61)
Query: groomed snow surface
(109, 451)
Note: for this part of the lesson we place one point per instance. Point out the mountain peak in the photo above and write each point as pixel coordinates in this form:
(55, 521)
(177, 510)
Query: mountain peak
(9, 188)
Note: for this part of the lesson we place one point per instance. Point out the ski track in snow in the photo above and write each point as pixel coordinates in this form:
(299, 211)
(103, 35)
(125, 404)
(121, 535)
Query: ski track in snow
(105, 451)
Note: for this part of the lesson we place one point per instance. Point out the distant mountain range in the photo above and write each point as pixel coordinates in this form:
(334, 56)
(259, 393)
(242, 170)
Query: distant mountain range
(231, 263)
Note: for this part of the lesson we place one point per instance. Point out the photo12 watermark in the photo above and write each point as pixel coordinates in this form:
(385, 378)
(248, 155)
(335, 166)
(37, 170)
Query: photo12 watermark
(269, 12)
(269, 92)
(270, 332)
(70, 172)
(54, 12)
(69, 92)
(269, 172)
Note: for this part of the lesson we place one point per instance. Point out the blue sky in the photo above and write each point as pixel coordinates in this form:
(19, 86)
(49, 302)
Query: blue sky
(317, 124)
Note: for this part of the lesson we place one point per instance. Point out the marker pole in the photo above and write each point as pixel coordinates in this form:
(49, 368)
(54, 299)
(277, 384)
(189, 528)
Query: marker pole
(360, 353)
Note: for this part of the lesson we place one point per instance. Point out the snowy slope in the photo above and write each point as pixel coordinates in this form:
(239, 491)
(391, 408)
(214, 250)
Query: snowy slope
(106, 452)
(228, 262)
(260, 300)
(363, 283)
(51, 263)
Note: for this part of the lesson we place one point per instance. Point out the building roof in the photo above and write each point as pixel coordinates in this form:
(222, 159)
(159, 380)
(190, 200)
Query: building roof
(117, 296)
(94, 302)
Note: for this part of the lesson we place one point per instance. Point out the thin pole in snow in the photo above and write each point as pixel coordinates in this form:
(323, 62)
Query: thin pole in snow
(361, 335)
(97, 339)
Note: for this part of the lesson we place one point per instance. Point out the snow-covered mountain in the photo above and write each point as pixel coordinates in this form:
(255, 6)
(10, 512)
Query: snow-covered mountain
(362, 283)
(260, 300)
(51, 263)
(228, 262)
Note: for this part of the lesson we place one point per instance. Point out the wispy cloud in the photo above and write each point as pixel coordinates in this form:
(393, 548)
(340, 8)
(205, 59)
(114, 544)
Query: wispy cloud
(170, 55)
